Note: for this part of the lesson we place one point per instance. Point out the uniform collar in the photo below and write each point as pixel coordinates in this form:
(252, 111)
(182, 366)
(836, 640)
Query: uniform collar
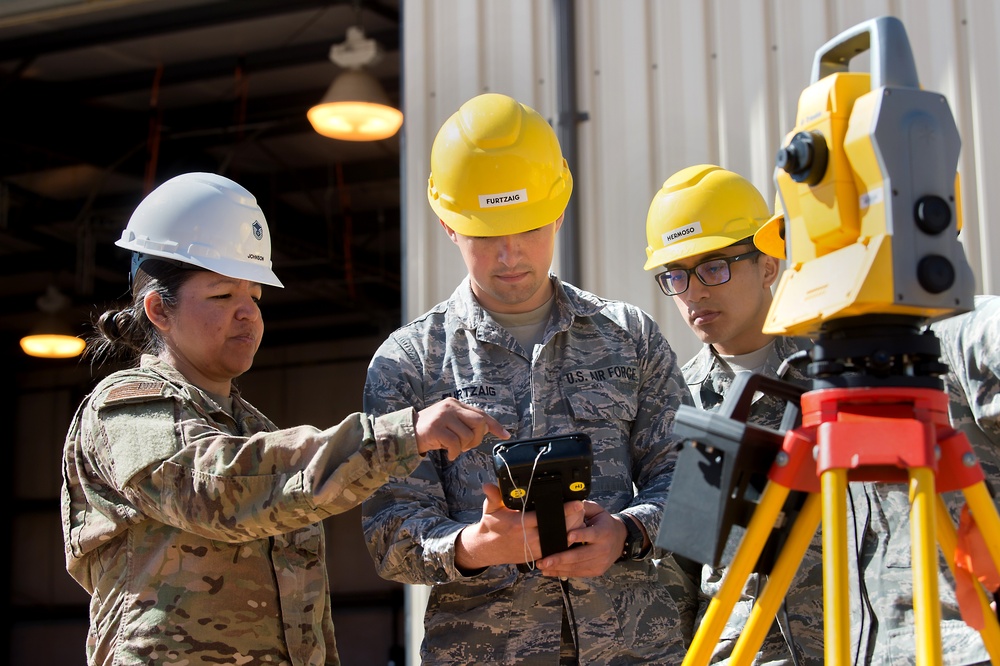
(570, 303)
(171, 375)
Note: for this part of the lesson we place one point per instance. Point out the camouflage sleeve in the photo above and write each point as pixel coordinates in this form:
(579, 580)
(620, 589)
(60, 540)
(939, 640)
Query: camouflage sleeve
(969, 347)
(983, 367)
(232, 488)
(395, 378)
(654, 449)
(406, 522)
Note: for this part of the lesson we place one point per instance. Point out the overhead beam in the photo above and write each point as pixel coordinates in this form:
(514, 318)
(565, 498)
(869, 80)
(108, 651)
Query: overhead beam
(210, 68)
(149, 24)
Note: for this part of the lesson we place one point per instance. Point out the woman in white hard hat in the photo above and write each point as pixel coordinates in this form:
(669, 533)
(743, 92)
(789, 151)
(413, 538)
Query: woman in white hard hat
(192, 521)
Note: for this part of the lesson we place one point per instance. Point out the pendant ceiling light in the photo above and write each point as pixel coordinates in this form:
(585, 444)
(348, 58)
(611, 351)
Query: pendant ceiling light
(52, 336)
(356, 107)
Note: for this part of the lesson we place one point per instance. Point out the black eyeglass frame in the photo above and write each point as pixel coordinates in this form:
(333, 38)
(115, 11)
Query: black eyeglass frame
(661, 280)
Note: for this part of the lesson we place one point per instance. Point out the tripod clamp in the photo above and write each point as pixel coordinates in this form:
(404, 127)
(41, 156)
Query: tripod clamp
(721, 473)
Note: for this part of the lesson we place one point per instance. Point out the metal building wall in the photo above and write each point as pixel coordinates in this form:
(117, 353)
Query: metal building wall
(666, 84)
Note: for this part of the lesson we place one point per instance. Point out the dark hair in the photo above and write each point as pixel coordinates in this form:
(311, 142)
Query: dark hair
(127, 333)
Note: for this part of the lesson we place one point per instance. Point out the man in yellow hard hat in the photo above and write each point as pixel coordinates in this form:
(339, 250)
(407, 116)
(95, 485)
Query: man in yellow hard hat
(544, 358)
(700, 231)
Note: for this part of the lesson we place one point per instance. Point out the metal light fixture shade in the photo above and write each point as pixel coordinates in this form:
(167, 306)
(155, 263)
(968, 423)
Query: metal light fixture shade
(52, 339)
(52, 336)
(355, 108)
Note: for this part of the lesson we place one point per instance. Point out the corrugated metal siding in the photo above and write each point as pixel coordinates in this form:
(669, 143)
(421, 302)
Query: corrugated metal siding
(667, 84)
(452, 51)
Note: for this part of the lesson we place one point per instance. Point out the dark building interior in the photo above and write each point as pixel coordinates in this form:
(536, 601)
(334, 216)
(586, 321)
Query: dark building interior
(100, 101)
(104, 100)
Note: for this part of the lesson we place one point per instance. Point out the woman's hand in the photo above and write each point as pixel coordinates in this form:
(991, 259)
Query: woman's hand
(455, 427)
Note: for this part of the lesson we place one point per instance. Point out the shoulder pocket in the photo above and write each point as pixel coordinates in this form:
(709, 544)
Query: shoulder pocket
(138, 435)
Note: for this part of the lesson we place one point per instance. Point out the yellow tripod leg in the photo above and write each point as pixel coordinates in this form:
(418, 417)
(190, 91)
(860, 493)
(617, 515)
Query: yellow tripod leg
(923, 552)
(836, 598)
(985, 513)
(948, 539)
(721, 606)
(778, 582)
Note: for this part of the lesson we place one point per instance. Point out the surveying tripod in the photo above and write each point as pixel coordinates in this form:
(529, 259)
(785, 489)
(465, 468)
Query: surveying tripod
(871, 425)
(868, 184)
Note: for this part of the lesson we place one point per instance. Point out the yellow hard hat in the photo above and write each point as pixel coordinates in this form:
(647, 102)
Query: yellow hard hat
(770, 238)
(497, 169)
(700, 209)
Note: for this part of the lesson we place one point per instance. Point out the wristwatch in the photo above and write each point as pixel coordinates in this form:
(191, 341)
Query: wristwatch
(634, 540)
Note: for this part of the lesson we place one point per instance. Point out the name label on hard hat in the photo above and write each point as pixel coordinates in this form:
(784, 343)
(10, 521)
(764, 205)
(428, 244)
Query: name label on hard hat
(503, 199)
(693, 229)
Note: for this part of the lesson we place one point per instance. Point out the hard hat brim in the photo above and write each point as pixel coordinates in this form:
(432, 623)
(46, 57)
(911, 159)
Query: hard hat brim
(238, 270)
(688, 248)
(768, 238)
(508, 220)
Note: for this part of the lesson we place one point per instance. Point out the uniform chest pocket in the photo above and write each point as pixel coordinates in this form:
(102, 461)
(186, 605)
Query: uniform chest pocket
(604, 401)
(606, 412)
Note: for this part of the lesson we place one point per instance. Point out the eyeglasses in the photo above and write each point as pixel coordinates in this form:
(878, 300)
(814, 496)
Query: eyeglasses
(711, 273)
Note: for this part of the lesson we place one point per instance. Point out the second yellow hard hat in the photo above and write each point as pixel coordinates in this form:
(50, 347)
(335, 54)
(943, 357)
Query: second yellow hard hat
(701, 209)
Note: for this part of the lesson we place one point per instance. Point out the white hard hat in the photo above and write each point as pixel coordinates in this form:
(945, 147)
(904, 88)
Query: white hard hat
(205, 220)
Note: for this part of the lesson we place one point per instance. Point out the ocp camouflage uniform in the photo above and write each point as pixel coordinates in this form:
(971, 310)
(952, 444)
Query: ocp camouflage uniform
(969, 346)
(603, 368)
(197, 532)
(710, 379)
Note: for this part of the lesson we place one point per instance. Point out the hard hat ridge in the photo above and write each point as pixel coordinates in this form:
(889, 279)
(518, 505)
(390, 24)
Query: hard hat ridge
(491, 127)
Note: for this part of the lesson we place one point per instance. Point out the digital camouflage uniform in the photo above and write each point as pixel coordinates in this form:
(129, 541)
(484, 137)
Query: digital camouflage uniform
(710, 378)
(605, 369)
(197, 533)
(969, 345)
